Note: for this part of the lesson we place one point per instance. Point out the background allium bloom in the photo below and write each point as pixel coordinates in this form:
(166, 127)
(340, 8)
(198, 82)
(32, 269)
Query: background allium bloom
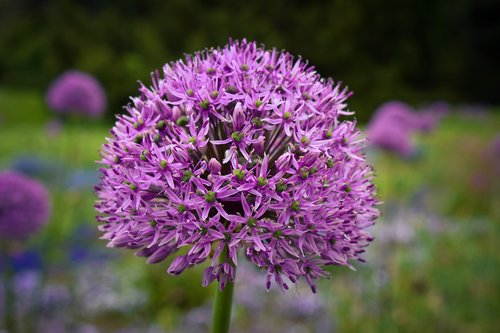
(394, 123)
(392, 126)
(24, 206)
(239, 148)
(77, 92)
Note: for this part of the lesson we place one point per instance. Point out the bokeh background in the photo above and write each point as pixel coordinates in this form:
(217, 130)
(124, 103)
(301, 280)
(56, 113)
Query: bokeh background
(435, 263)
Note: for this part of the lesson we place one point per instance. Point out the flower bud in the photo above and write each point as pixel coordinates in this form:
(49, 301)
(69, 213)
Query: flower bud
(214, 166)
(259, 147)
(176, 113)
(283, 162)
(238, 117)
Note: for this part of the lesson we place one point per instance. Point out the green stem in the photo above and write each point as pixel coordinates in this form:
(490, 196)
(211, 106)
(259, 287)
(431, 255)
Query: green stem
(223, 302)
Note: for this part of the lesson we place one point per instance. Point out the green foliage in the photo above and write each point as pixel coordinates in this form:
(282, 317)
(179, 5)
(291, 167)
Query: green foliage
(21, 106)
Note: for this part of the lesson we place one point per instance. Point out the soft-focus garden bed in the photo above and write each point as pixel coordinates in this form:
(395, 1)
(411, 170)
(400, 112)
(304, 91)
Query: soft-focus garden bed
(434, 265)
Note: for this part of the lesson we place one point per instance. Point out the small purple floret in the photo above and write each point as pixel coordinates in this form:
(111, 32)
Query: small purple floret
(239, 149)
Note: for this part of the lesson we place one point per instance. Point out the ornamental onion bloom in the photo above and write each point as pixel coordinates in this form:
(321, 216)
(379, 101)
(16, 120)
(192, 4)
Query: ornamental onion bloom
(238, 150)
(24, 206)
(392, 126)
(77, 92)
(395, 122)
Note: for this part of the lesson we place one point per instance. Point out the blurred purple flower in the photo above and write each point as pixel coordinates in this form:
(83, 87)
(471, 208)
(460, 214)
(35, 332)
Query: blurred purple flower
(26, 260)
(391, 128)
(24, 206)
(430, 115)
(77, 92)
(394, 123)
(239, 148)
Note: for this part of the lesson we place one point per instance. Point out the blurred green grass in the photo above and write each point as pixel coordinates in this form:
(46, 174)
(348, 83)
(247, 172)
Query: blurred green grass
(441, 282)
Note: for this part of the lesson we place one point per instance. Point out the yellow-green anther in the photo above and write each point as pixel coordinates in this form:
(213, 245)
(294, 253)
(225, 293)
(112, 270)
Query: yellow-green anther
(251, 222)
(240, 174)
(280, 186)
(210, 196)
(237, 136)
(204, 104)
(257, 122)
(261, 181)
(304, 173)
(295, 206)
(138, 138)
(161, 125)
(186, 175)
(181, 208)
(182, 121)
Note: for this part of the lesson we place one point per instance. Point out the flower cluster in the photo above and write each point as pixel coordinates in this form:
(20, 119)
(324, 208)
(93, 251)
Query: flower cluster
(395, 122)
(24, 206)
(77, 92)
(238, 149)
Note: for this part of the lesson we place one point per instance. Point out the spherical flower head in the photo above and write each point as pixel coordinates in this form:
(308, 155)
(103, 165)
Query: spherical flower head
(24, 206)
(77, 92)
(238, 150)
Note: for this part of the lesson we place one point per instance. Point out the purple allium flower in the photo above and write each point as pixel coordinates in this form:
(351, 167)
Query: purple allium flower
(394, 123)
(24, 206)
(239, 148)
(77, 92)
(392, 126)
